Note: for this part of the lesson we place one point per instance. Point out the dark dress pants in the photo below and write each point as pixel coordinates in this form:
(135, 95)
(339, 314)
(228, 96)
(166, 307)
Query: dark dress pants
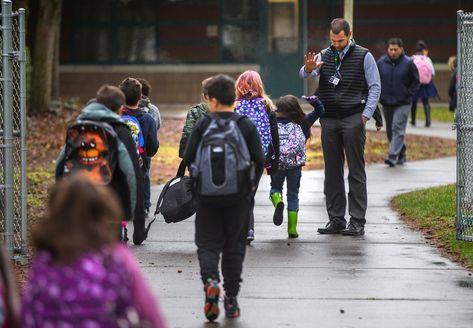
(344, 137)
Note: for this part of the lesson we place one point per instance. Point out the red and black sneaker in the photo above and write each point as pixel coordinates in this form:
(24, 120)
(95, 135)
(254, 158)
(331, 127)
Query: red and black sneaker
(232, 309)
(212, 293)
(124, 233)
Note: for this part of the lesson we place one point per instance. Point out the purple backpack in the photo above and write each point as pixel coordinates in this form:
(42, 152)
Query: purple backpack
(291, 145)
(256, 111)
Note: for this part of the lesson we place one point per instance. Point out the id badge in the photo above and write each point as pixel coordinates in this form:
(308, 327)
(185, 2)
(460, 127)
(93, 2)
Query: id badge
(334, 80)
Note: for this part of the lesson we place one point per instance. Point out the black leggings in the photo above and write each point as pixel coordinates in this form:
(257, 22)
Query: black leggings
(425, 102)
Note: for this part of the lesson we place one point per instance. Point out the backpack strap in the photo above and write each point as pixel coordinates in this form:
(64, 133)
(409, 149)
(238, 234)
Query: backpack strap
(181, 170)
(161, 196)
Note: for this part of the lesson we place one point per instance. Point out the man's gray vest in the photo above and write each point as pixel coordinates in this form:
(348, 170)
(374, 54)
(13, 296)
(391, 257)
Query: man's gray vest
(350, 95)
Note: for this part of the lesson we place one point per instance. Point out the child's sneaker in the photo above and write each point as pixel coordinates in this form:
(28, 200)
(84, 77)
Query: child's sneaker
(124, 233)
(232, 310)
(212, 293)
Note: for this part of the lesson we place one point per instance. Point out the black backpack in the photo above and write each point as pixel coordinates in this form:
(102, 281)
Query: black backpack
(91, 148)
(176, 201)
(222, 168)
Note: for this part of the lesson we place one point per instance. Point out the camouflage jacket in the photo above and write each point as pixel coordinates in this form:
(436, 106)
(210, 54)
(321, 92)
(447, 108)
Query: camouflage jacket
(194, 114)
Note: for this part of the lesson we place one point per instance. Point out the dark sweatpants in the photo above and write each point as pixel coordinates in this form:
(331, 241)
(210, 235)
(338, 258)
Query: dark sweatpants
(222, 230)
(340, 137)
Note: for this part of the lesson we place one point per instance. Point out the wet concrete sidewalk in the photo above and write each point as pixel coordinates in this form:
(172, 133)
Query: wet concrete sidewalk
(391, 277)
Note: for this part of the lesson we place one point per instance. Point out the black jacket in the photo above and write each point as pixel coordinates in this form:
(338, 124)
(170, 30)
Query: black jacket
(399, 80)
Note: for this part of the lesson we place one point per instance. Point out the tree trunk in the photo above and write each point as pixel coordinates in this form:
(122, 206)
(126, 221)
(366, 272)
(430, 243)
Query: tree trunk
(55, 68)
(47, 35)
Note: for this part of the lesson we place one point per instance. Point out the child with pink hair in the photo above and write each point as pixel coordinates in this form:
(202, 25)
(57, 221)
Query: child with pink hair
(253, 102)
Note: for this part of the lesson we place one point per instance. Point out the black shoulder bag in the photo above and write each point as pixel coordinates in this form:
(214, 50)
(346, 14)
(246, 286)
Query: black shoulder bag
(176, 201)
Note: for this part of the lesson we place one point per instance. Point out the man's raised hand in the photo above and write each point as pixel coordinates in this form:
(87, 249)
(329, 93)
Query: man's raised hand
(310, 62)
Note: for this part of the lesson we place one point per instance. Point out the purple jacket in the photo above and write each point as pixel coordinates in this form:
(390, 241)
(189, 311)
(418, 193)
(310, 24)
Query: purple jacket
(95, 290)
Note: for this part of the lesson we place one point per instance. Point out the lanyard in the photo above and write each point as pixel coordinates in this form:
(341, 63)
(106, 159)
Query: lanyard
(338, 61)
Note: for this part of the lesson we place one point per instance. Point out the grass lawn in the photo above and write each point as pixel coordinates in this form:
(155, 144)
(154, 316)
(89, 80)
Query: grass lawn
(438, 113)
(432, 211)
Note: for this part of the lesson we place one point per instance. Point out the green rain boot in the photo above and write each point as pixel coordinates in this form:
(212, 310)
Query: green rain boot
(292, 224)
(276, 198)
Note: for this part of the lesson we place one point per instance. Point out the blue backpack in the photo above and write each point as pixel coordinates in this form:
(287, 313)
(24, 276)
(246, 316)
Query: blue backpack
(136, 131)
(257, 112)
(291, 145)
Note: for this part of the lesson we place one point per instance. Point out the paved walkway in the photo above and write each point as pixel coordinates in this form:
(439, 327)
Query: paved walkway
(391, 277)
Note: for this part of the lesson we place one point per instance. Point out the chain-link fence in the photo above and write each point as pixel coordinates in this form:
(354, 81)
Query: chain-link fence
(13, 216)
(464, 125)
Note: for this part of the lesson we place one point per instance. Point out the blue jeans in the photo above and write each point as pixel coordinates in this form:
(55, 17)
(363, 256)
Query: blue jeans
(147, 182)
(293, 180)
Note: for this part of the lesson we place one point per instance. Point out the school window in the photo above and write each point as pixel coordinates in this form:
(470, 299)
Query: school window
(160, 31)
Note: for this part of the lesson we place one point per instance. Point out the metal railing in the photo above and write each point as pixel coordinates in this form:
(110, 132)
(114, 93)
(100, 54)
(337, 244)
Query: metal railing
(13, 210)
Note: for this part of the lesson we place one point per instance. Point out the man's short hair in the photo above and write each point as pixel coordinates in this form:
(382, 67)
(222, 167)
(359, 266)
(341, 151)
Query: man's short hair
(397, 41)
(145, 87)
(222, 88)
(338, 25)
(132, 90)
(111, 97)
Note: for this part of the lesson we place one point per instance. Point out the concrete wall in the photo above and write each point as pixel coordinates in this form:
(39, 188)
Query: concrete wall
(170, 83)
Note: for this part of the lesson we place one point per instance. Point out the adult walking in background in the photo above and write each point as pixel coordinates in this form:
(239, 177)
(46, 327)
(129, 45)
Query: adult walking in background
(349, 88)
(399, 82)
(427, 89)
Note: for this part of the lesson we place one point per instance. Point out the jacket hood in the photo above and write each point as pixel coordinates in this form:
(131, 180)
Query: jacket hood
(98, 112)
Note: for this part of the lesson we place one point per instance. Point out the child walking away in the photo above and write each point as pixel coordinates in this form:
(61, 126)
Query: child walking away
(220, 151)
(254, 103)
(427, 87)
(83, 277)
(142, 126)
(100, 144)
(294, 131)
(193, 115)
(147, 107)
